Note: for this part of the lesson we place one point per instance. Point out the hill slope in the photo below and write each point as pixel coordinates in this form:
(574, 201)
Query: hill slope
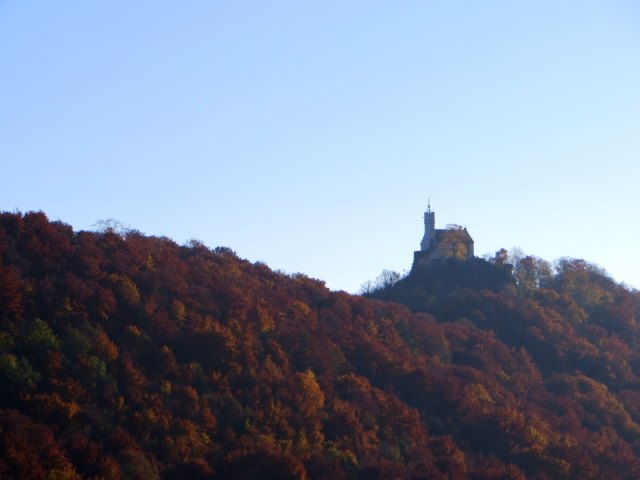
(127, 356)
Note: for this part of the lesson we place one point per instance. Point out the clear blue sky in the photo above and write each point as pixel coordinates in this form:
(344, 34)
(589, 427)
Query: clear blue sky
(309, 135)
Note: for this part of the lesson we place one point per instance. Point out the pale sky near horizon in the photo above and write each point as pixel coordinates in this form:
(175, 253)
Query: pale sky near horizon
(309, 135)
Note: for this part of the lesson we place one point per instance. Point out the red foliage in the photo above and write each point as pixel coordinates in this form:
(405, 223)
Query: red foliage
(130, 356)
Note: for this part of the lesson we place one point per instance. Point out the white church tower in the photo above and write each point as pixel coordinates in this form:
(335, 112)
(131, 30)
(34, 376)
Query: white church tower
(429, 229)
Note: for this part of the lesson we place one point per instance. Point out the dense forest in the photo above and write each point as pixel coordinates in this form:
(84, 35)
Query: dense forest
(130, 356)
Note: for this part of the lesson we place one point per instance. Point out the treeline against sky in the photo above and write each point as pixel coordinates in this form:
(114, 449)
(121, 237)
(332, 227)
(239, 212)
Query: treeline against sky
(129, 356)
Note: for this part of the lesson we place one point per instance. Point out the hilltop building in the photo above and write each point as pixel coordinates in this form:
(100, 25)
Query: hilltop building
(451, 242)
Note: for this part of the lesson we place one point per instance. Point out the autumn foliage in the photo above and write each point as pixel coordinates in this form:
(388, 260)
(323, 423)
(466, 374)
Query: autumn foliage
(128, 356)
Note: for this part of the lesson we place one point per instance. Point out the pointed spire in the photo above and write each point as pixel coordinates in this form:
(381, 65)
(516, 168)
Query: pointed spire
(429, 205)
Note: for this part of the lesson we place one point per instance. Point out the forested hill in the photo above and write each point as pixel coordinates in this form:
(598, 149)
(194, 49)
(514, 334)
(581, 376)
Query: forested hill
(128, 356)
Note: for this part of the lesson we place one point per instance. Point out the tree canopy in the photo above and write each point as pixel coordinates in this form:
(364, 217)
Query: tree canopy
(130, 356)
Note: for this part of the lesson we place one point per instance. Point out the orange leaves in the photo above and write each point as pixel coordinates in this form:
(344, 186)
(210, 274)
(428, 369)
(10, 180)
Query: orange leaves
(53, 407)
(126, 289)
(105, 348)
(30, 450)
(476, 402)
(309, 396)
(178, 311)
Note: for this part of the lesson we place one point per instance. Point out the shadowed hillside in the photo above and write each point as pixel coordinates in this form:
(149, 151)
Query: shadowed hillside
(127, 356)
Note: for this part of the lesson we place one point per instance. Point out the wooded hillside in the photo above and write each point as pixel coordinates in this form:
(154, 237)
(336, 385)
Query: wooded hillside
(129, 356)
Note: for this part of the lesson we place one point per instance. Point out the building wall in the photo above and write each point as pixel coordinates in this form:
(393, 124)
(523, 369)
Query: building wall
(449, 243)
(429, 230)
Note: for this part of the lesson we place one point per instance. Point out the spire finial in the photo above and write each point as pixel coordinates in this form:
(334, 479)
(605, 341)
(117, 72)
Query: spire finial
(429, 205)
